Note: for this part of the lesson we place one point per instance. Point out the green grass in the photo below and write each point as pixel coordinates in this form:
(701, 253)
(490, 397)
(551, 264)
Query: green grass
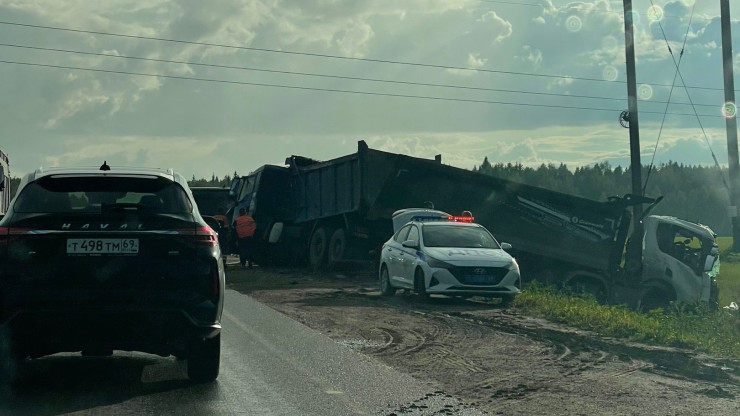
(693, 327)
(729, 273)
(682, 325)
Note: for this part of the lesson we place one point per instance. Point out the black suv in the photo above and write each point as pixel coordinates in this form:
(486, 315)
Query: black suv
(96, 260)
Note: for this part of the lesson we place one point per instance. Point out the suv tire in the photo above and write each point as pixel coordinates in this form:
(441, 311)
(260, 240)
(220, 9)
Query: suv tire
(204, 359)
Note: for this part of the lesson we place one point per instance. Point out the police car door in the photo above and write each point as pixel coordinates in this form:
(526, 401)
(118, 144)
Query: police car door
(392, 254)
(407, 257)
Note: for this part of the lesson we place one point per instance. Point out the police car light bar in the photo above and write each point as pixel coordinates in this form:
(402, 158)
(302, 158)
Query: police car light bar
(460, 219)
(439, 218)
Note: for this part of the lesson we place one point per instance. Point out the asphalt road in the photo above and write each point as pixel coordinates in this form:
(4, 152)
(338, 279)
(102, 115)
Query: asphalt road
(271, 365)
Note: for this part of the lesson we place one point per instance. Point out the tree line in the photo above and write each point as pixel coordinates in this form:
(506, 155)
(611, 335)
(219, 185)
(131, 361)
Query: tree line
(693, 193)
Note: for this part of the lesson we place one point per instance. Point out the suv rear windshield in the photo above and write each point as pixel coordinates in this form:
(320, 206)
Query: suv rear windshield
(97, 194)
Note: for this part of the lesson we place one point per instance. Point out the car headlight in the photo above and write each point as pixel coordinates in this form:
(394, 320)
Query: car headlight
(513, 265)
(437, 264)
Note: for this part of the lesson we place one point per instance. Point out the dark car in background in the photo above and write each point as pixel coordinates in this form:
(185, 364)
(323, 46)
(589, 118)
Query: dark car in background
(96, 260)
(216, 206)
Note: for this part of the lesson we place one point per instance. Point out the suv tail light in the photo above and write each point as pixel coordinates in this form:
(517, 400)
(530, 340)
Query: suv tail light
(8, 234)
(201, 235)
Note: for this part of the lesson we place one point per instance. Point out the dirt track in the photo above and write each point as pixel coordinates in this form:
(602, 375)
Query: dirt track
(497, 360)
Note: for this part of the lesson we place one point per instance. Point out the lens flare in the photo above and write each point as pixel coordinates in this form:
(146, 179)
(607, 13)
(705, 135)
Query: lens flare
(573, 23)
(729, 110)
(655, 13)
(645, 92)
(609, 43)
(610, 73)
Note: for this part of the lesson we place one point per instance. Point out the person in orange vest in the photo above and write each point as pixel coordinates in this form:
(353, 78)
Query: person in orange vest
(245, 227)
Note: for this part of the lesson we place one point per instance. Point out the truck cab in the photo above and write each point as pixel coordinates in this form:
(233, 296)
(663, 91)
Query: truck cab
(265, 194)
(680, 261)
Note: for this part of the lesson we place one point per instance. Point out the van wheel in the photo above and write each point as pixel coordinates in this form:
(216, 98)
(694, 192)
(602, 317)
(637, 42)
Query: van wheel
(204, 359)
(337, 247)
(419, 286)
(317, 248)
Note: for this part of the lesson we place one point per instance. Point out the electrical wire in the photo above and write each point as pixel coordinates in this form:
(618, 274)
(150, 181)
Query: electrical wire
(308, 74)
(295, 87)
(698, 119)
(329, 56)
(670, 94)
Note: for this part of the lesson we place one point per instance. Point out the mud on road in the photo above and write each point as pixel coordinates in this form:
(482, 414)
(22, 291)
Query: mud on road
(497, 360)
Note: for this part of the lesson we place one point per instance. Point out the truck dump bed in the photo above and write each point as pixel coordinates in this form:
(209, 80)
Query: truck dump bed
(373, 184)
(369, 183)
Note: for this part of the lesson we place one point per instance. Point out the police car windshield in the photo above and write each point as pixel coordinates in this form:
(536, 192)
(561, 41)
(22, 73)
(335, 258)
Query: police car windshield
(454, 235)
(96, 194)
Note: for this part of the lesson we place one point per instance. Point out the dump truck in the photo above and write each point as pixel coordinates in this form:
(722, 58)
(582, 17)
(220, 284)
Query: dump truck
(324, 213)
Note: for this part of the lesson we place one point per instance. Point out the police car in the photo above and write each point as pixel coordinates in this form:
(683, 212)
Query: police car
(437, 253)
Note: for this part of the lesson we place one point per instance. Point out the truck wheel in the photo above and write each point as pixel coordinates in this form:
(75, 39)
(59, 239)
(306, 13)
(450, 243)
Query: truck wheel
(419, 286)
(586, 287)
(317, 248)
(654, 299)
(337, 247)
(386, 289)
(204, 359)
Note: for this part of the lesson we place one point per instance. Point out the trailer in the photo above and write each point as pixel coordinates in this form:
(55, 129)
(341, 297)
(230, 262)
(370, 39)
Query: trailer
(326, 213)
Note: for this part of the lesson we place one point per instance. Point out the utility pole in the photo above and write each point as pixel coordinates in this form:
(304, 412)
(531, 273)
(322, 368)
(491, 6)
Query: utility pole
(730, 122)
(633, 261)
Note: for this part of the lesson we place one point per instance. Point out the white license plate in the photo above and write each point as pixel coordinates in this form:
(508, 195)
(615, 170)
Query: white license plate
(102, 245)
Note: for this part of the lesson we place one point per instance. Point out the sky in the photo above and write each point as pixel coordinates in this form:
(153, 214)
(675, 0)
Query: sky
(216, 87)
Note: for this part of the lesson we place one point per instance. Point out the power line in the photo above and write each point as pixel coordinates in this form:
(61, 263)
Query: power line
(295, 87)
(329, 56)
(317, 55)
(698, 119)
(512, 3)
(333, 76)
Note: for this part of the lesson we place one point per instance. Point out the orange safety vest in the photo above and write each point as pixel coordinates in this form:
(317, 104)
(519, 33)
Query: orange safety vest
(245, 226)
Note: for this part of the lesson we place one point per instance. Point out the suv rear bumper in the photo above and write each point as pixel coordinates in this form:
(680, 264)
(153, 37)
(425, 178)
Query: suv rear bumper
(37, 333)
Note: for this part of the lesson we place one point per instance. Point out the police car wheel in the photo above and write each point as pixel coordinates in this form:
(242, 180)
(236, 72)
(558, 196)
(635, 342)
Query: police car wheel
(419, 285)
(386, 289)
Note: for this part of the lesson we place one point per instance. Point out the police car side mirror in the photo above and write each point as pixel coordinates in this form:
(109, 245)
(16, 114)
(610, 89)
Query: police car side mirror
(410, 244)
(506, 246)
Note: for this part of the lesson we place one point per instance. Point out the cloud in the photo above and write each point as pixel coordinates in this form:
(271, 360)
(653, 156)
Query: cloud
(530, 56)
(496, 27)
(163, 152)
(474, 61)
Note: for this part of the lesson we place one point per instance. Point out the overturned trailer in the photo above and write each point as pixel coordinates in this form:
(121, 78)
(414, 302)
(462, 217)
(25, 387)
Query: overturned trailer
(325, 213)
